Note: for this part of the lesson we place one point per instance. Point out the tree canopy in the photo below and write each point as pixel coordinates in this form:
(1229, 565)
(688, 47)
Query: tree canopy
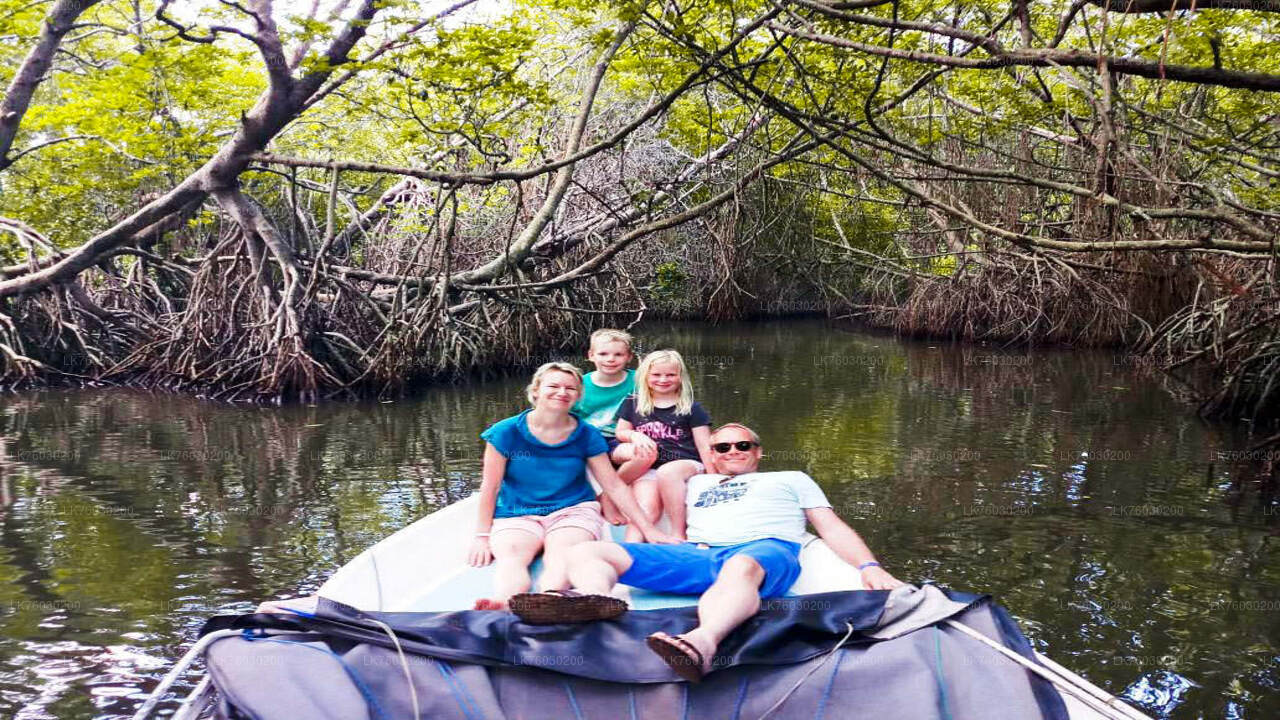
(258, 199)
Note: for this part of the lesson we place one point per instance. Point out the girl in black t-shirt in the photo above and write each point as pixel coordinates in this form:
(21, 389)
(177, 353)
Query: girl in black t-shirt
(670, 438)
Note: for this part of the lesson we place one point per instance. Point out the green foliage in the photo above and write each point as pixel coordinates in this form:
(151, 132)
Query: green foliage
(153, 111)
(669, 281)
(498, 87)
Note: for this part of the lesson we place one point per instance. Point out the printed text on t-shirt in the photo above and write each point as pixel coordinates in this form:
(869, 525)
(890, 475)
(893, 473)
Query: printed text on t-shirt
(717, 494)
(660, 431)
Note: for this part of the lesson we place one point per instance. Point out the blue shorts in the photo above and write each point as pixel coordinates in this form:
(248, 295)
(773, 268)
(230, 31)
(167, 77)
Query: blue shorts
(612, 443)
(689, 570)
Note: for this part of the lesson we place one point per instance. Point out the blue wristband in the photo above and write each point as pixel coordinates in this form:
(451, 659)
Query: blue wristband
(866, 565)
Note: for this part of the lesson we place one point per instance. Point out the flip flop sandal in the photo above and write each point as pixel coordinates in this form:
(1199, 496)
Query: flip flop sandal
(685, 659)
(564, 606)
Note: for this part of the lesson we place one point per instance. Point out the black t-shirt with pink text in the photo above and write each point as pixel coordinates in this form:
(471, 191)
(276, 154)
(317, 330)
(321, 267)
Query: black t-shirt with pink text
(673, 433)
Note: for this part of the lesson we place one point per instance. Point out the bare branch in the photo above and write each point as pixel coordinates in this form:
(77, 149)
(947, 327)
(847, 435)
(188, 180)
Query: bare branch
(1050, 57)
(1164, 6)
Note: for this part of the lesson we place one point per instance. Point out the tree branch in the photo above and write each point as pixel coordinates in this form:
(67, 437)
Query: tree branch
(1051, 57)
(1164, 6)
(60, 20)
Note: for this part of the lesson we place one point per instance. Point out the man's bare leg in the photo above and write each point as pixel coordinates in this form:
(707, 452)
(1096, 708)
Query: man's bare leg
(729, 602)
(594, 567)
(513, 551)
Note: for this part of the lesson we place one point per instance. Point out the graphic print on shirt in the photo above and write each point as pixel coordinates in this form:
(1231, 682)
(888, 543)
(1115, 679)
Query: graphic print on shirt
(661, 431)
(602, 418)
(722, 493)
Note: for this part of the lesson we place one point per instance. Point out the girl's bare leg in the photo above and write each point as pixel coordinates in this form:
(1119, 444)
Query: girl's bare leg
(513, 551)
(672, 481)
(650, 501)
(629, 466)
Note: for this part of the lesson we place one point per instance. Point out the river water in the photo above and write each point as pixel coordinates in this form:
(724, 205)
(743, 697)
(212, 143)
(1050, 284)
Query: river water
(1130, 539)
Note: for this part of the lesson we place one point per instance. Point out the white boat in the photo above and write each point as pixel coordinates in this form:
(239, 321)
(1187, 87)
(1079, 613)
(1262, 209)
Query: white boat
(423, 568)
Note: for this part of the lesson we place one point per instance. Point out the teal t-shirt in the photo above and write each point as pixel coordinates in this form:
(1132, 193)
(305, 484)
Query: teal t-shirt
(599, 405)
(540, 478)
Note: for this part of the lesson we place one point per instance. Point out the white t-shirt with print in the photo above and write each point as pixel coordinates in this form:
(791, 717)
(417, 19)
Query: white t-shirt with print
(729, 510)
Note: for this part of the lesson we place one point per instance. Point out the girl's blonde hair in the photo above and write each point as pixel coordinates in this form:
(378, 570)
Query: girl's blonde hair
(644, 397)
(532, 390)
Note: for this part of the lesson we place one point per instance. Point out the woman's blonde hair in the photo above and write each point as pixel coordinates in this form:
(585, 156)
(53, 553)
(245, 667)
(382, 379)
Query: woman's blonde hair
(532, 390)
(644, 397)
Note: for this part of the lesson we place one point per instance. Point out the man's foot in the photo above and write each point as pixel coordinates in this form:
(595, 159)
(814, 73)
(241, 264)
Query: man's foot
(490, 604)
(682, 653)
(565, 606)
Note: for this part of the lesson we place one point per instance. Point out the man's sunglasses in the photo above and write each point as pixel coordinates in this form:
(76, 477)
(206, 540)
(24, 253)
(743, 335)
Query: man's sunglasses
(743, 445)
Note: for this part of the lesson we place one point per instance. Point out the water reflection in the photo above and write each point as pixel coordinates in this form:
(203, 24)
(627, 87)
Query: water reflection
(1115, 525)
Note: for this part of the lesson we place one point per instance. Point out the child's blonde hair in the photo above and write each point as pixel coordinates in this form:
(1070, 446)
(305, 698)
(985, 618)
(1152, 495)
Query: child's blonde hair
(532, 390)
(604, 335)
(644, 397)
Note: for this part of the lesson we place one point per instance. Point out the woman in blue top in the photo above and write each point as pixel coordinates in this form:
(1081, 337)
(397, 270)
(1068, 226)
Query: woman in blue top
(534, 495)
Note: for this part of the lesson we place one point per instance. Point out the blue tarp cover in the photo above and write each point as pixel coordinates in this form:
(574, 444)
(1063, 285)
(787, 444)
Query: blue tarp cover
(471, 664)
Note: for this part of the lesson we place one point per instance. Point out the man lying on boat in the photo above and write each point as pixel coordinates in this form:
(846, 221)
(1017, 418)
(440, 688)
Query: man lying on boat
(745, 530)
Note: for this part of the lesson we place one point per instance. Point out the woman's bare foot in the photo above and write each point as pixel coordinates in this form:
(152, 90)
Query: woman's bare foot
(490, 604)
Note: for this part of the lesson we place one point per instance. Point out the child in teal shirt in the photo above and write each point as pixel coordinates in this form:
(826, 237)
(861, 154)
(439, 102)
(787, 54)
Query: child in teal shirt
(603, 391)
(612, 381)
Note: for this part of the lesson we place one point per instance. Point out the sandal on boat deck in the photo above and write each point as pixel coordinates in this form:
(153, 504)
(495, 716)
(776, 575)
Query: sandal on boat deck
(685, 659)
(564, 606)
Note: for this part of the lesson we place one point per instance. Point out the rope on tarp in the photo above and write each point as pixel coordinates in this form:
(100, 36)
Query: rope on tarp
(822, 705)
(1100, 705)
(831, 683)
(404, 663)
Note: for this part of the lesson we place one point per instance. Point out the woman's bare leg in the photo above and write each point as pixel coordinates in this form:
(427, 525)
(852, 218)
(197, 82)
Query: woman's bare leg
(513, 551)
(555, 565)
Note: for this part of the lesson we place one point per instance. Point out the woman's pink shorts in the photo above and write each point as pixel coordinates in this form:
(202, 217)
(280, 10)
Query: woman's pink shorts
(585, 515)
